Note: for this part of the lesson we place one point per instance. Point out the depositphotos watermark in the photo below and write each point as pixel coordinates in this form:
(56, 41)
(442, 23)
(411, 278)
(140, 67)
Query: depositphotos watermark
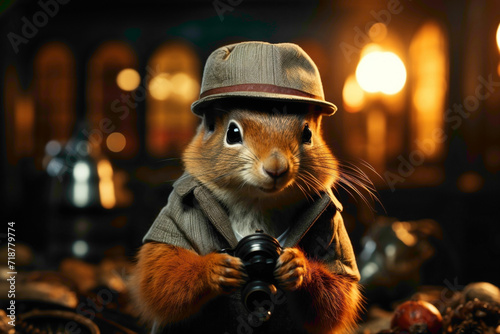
(30, 27)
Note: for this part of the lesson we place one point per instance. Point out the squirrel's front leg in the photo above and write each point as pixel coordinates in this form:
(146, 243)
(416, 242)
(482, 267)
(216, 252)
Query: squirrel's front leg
(172, 283)
(335, 299)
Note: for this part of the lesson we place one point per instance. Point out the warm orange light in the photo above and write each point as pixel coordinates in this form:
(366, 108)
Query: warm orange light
(470, 182)
(376, 132)
(164, 85)
(429, 72)
(402, 231)
(116, 142)
(498, 37)
(106, 184)
(128, 79)
(353, 95)
(185, 86)
(377, 32)
(383, 72)
(160, 87)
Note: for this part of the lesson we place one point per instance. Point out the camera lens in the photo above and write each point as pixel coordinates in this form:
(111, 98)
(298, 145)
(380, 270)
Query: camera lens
(257, 298)
(259, 252)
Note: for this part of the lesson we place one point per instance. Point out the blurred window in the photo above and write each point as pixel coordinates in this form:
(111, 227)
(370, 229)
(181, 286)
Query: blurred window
(172, 80)
(114, 90)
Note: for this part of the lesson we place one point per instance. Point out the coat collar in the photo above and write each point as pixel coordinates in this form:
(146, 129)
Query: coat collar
(213, 210)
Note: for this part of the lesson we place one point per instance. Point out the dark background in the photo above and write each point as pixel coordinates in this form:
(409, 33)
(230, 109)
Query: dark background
(459, 188)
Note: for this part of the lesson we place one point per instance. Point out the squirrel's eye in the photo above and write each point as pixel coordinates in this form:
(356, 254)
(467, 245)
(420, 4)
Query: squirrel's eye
(233, 135)
(306, 135)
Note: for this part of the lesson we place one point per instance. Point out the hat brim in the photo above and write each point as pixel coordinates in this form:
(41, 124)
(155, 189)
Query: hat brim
(200, 106)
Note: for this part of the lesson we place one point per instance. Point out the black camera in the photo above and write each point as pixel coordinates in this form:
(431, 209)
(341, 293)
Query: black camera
(259, 253)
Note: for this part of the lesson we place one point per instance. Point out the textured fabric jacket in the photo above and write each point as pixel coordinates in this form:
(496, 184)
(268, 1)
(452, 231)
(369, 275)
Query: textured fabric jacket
(195, 220)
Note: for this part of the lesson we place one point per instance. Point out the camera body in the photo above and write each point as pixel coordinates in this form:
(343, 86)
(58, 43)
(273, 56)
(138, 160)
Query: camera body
(259, 252)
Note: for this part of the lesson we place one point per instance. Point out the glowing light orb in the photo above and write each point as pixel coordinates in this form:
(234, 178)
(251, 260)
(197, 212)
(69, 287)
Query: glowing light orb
(80, 248)
(81, 171)
(381, 72)
(128, 79)
(185, 86)
(498, 37)
(160, 87)
(353, 95)
(116, 142)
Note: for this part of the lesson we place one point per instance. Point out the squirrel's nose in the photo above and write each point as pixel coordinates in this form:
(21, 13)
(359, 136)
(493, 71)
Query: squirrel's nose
(275, 166)
(277, 173)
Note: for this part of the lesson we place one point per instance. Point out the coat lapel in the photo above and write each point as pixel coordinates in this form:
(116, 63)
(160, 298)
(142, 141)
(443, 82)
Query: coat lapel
(306, 220)
(219, 218)
(216, 214)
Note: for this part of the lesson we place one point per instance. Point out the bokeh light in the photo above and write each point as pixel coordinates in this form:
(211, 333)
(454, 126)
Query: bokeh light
(352, 95)
(470, 182)
(80, 248)
(128, 79)
(81, 171)
(81, 191)
(164, 85)
(53, 148)
(381, 72)
(106, 184)
(498, 37)
(185, 86)
(160, 87)
(116, 142)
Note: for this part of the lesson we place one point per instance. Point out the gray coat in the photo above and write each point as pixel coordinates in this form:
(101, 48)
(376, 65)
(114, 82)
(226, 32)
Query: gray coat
(195, 220)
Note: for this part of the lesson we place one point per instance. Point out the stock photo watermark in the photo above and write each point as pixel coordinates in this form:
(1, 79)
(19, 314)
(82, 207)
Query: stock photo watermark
(11, 273)
(246, 326)
(361, 38)
(223, 6)
(454, 117)
(121, 108)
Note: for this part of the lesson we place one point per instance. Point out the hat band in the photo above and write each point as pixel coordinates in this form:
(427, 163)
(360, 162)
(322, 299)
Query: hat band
(262, 88)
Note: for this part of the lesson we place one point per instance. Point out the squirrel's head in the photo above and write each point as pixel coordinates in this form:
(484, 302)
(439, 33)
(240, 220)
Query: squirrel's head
(261, 149)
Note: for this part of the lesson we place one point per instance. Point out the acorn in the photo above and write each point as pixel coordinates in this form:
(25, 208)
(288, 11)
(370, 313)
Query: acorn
(483, 291)
(417, 316)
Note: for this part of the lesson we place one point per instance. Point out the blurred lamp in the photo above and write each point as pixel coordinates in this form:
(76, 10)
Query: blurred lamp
(80, 248)
(182, 85)
(185, 86)
(498, 37)
(116, 142)
(53, 148)
(160, 87)
(352, 95)
(81, 175)
(128, 79)
(106, 184)
(381, 72)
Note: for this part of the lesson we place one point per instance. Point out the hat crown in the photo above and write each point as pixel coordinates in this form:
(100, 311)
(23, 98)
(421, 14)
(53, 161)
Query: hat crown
(283, 65)
(260, 70)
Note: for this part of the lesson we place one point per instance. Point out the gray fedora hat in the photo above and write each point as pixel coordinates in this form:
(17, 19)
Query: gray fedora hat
(260, 70)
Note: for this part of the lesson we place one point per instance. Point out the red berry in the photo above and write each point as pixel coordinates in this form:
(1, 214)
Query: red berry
(413, 314)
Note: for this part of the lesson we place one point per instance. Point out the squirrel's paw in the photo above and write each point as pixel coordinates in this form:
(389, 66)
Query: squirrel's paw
(226, 273)
(291, 269)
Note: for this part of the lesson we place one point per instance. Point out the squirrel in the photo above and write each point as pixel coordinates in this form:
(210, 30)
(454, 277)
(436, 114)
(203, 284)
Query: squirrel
(256, 164)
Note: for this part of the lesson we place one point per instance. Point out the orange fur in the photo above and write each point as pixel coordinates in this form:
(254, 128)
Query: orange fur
(335, 299)
(172, 283)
